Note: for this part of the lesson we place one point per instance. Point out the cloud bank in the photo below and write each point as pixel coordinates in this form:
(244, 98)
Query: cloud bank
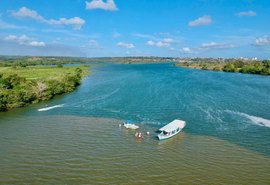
(262, 41)
(25, 13)
(163, 43)
(24, 40)
(215, 45)
(125, 45)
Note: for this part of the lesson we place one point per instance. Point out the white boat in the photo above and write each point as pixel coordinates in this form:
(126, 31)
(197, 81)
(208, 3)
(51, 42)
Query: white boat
(129, 125)
(171, 129)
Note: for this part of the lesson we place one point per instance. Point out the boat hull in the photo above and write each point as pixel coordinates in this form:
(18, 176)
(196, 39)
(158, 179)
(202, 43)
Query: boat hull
(164, 137)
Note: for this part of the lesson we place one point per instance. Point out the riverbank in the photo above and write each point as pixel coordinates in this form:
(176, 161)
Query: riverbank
(238, 66)
(20, 86)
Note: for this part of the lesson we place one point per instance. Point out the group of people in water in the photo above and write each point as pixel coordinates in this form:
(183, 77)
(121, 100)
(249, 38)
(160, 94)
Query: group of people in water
(139, 135)
(130, 125)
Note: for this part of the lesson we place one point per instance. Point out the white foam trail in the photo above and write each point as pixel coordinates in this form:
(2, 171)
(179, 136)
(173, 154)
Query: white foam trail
(99, 98)
(111, 110)
(49, 108)
(259, 121)
(254, 119)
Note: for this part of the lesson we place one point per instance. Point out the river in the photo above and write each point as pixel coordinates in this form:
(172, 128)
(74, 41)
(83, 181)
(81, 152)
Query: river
(78, 140)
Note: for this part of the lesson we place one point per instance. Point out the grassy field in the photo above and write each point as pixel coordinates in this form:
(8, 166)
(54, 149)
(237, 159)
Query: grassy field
(42, 72)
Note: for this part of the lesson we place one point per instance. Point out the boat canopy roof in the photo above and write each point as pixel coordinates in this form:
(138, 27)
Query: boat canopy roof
(173, 125)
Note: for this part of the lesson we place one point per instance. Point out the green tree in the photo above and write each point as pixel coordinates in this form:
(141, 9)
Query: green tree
(265, 71)
(59, 65)
(229, 67)
(238, 64)
(204, 67)
(11, 81)
(78, 72)
(266, 63)
(3, 100)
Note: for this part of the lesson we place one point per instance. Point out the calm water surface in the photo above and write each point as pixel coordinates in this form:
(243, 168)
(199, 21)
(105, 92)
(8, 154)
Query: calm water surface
(226, 140)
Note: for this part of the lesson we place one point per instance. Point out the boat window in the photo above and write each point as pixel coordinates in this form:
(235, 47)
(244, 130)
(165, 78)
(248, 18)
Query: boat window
(166, 133)
(159, 131)
(177, 129)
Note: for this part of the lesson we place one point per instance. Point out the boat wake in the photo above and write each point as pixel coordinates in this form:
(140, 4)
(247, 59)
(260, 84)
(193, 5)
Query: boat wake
(50, 108)
(99, 98)
(254, 119)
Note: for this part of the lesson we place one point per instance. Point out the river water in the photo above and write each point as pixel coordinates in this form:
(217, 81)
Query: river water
(79, 141)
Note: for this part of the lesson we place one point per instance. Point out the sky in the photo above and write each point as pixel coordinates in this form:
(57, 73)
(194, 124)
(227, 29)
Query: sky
(110, 28)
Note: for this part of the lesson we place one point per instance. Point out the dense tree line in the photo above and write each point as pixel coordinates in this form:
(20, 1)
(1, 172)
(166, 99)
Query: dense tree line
(16, 91)
(43, 62)
(239, 66)
(257, 67)
(17, 62)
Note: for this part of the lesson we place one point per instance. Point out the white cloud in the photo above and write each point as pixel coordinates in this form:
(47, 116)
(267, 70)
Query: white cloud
(247, 14)
(11, 37)
(27, 13)
(36, 43)
(76, 22)
(186, 50)
(23, 13)
(215, 45)
(144, 36)
(168, 40)
(201, 21)
(99, 4)
(150, 43)
(262, 41)
(93, 44)
(125, 45)
(24, 40)
(163, 43)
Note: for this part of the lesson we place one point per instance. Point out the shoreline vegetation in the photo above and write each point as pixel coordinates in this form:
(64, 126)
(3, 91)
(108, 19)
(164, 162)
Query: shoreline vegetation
(28, 84)
(259, 67)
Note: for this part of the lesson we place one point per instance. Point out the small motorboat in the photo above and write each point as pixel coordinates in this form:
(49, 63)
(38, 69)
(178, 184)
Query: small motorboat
(129, 125)
(171, 129)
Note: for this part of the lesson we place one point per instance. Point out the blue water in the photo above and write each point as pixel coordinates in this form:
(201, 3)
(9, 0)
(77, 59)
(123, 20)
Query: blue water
(230, 106)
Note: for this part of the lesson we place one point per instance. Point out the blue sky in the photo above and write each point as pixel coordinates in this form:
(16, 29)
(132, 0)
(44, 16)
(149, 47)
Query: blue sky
(104, 28)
